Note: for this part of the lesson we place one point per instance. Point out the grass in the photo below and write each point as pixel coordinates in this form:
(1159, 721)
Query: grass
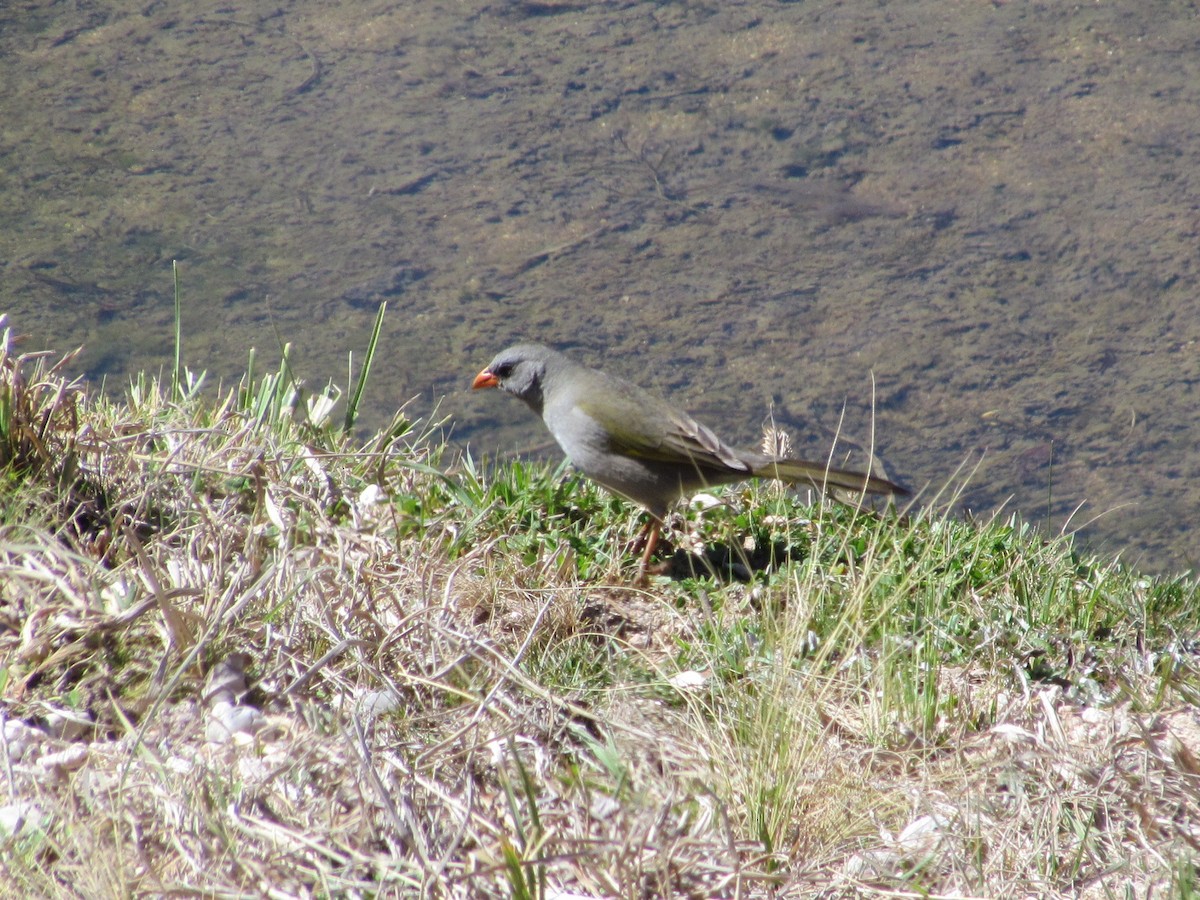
(242, 654)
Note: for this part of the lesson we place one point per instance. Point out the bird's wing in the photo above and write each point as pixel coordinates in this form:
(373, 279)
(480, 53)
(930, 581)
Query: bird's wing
(688, 438)
(642, 426)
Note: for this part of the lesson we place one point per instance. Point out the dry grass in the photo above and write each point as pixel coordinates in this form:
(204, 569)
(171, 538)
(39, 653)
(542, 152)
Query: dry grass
(241, 657)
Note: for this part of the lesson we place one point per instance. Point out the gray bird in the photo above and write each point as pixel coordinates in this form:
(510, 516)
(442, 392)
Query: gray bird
(640, 446)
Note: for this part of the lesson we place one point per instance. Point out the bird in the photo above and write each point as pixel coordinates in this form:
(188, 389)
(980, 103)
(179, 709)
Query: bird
(641, 446)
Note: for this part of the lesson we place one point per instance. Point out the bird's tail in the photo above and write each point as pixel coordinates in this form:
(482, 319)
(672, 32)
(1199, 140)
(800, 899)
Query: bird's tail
(797, 471)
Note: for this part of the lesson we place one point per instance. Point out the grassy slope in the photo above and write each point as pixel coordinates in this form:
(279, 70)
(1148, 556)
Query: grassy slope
(452, 690)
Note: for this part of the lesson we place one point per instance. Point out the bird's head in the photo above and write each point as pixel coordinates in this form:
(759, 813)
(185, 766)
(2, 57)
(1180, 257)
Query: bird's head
(520, 371)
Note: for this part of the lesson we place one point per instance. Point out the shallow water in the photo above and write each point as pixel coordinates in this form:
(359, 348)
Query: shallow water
(979, 218)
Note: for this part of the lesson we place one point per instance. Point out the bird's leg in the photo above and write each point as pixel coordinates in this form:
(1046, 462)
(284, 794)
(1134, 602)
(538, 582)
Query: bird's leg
(649, 536)
(638, 544)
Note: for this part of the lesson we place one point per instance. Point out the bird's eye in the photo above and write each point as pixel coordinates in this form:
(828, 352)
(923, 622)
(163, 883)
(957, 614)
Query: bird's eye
(503, 370)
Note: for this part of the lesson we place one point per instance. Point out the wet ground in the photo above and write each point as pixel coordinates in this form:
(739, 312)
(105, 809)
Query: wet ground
(979, 217)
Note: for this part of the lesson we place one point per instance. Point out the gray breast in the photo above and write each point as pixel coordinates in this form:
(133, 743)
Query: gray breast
(654, 485)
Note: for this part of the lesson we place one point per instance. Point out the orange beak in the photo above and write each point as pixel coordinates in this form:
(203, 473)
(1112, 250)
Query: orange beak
(485, 379)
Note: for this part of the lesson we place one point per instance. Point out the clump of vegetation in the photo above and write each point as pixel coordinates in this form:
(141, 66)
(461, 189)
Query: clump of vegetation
(243, 653)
